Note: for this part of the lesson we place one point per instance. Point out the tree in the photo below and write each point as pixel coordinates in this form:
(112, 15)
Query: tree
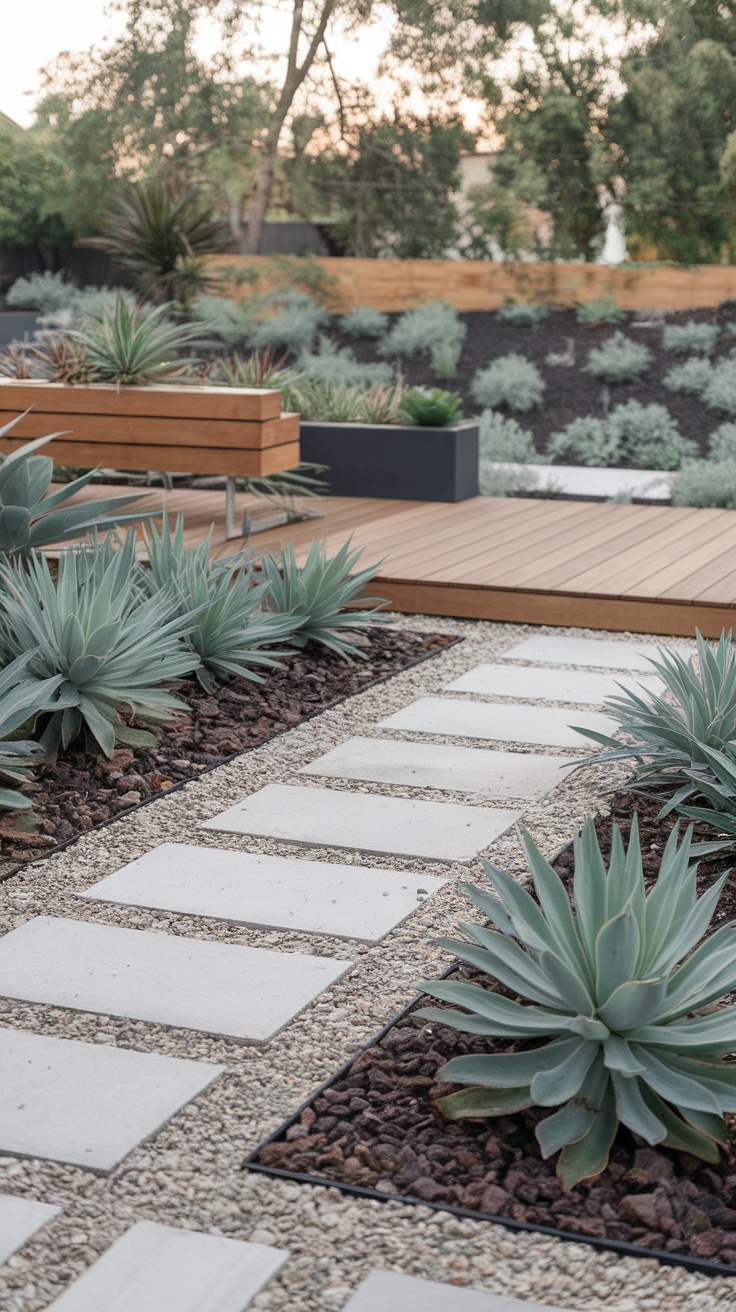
(35, 186)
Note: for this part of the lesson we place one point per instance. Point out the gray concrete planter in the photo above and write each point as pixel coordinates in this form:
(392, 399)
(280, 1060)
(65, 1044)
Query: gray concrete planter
(395, 462)
(17, 326)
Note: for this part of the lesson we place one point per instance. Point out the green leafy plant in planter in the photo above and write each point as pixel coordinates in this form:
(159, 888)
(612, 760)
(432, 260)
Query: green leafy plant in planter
(22, 699)
(611, 986)
(131, 347)
(430, 407)
(321, 597)
(618, 360)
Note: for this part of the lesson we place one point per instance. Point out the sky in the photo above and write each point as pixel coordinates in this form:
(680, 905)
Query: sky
(34, 33)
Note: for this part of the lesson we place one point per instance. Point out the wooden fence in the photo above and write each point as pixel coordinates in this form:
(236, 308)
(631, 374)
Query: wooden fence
(483, 285)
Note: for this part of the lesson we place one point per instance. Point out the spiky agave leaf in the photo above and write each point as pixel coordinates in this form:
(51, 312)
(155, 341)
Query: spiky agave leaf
(134, 346)
(321, 596)
(22, 699)
(611, 987)
(109, 646)
(228, 628)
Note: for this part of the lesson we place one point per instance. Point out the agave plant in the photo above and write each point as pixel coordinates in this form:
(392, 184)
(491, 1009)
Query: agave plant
(671, 734)
(132, 346)
(430, 407)
(611, 987)
(228, 629)
(60, 358)
(22, 699)
(32, 516)
(109, 647)
(319, 598)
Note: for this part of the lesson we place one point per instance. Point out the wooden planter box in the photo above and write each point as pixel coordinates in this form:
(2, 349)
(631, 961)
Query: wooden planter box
(395, 461)
(186, 430)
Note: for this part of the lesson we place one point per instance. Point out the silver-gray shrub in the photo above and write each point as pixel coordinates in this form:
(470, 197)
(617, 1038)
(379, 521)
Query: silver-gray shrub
(435, 328)
(720, 391)
(706, 483)
(510, 382)
(618, 360)
(649, 436)
(295, 324)
(508, 481)
(585, 441)
(503, 439)
(45, 292)
(692, 376)
(722, 444)
(522, 314)
(603, 309)
(691, 336)
(364, 321)
(337, 365)
(226, 320)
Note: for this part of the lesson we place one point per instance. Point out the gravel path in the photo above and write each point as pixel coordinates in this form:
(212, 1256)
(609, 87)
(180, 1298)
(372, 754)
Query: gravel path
(189, 1174)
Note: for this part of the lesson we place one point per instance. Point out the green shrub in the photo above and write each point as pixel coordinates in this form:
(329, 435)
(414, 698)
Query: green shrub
(720, 390)
(132, 347)
(707, 483)
(110, 648)
(21, 701)
(45, 292)
(295, 324)
(648, 436)
(430, 407)
(618, 360)
(722, 444)
(691, 336)
(226, 320)
(510, 381)
(334, 364)
(585, 441)
(435, 328)
(522, 314)
(320, 599)
(601, 310)
(503, 439)
(612, 986)
(364, 321)
(693, 376)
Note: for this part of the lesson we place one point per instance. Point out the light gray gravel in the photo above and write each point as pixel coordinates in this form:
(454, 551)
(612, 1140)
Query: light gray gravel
(189, 1174)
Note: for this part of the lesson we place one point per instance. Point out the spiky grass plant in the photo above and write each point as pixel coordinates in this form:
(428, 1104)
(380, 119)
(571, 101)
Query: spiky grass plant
(670, 732)
(229, 629)
(32, 516)
(321, 597)
(133, 346)
(110, 647)
(612, 986)
(22, 699)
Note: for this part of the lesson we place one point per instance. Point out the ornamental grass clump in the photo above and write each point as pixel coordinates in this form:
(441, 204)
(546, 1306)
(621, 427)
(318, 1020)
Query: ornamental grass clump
(510, 382)
(321, 597)
(612, 986)
(618, 360)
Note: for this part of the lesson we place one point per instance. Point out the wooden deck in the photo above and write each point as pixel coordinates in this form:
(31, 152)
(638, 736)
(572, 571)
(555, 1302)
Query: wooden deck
(641, 568)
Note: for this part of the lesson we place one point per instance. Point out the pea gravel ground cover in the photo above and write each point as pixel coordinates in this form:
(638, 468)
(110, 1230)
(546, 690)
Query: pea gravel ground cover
(189, 1174)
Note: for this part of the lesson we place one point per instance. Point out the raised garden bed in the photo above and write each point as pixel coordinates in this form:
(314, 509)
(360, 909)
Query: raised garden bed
(395, 460)
(375, 1128)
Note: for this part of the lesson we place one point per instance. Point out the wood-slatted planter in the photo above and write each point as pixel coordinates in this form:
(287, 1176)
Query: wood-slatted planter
(188, 430)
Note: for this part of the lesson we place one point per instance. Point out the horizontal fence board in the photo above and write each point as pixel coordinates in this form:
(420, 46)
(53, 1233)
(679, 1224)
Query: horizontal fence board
(231, 403)
(394, 285)
(139, 431)
(176, 460)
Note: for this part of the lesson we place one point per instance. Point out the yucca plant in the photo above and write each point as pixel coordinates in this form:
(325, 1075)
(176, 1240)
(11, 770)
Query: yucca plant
(612, 986)
(22, 699)
(109, 646)
(228, 627)
(671, 733)
(32, 516)
(130, 347)
(320, 597)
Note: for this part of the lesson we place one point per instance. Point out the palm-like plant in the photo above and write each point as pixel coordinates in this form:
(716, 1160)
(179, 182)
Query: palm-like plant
(22, 699)
(320, 597)
(134, 346)
(612, 986)
(109, 646)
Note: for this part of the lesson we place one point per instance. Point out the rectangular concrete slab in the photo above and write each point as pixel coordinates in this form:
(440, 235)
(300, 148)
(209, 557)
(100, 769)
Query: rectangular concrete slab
(219, 988)
(532, 684)
(20, 1218)
(384, 1291)
(271, 891)
(507, 722)
(85, 1103)
(499, 775)
(325, 817)
(158, 1268)
(597, 653)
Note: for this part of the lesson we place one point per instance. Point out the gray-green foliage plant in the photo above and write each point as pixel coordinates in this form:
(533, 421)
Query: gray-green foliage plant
(648, 436)
(706, 483)
(109, 646)
(682, 338)
(618, 360)
(229, 631)
(722, 443)
(321, 597)
(22, 699)
(337, 364)
(364, 321)
(33, 516)
(294, 325)
(603, 309)
(515, 480)
(511, 382)
(338, 403)
(228, 321)
(435, 328)
(720, 391)
(692, 376)
(132, 347)
(502, 439)
(46, 292)
(585, 441)
(522, 314)
(612, 986)
(430, 407)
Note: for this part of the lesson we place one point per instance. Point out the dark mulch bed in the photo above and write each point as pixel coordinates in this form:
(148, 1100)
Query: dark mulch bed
(80, 792)
(571, 392)
(378, 1127)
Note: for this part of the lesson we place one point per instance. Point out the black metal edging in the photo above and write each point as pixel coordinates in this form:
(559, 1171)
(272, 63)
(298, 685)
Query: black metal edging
(226, 760)
(698, 1265)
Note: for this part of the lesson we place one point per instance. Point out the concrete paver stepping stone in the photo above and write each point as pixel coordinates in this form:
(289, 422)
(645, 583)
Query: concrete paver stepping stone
(159, 1268)
(325, 817)
(532, 684)
(86, 1103)
(20, 1218)
(429, 765)
(601, 653)
(389, 1292)
(508, 722)
(219, 988)
(272, 891)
